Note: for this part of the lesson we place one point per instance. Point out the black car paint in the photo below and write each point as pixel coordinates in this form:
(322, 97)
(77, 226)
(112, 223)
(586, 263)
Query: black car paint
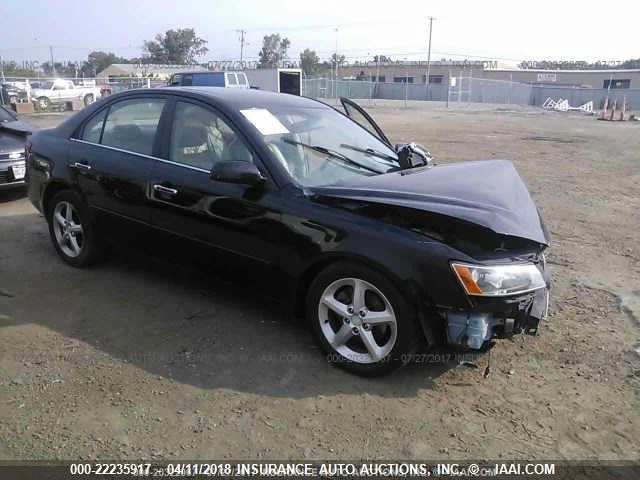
(480, 192)
(288, 231)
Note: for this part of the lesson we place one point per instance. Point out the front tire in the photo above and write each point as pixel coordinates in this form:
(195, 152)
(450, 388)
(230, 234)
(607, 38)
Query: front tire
(89, 99)
(72, 231)
(361, 320)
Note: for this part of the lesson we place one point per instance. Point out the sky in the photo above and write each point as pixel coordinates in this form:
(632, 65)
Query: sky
(507, 31)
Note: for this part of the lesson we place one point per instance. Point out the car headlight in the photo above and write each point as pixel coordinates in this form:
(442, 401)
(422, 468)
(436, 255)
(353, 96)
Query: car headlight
(498, 280)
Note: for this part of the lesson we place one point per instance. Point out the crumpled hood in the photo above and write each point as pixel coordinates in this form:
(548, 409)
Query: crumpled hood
(489, 193)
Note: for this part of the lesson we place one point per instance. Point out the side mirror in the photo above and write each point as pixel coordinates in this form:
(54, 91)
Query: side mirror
(413, 155)
(235, 171)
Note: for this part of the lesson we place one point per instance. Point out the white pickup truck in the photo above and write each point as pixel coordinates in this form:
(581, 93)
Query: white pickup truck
(58, 91)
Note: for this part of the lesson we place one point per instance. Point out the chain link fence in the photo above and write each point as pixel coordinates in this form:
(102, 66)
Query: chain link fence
(481, 90)
(467, 90)
(459, 90)
(328, 88)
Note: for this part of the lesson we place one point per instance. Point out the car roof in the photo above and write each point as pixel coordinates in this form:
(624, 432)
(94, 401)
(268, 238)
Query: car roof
(229, 100)
(240, 98)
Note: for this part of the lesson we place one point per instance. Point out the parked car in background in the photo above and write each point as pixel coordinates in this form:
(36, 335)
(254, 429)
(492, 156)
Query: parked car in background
(209, 79)
(13, 136)
(50, 92)
(14, 92)
(376, 247)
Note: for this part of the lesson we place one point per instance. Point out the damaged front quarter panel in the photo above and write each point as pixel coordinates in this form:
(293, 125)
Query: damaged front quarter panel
(474, 240)
(496, 224)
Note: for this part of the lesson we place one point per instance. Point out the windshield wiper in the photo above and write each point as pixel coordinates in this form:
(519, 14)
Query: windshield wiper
(331, 153)
(371, 151)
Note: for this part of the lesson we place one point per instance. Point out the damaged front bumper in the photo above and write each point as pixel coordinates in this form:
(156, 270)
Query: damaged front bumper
(498, 316)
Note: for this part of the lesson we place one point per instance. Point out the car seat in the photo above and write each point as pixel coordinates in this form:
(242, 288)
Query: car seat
(192, 147)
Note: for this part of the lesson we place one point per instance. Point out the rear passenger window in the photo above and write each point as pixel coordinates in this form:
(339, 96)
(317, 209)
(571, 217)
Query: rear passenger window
(131, 125)
(231, 79)
(242, 80)
(93, 128)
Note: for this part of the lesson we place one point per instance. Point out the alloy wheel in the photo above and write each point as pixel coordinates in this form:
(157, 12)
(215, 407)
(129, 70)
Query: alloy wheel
(68, 229)
(357, 320)
(44, 103)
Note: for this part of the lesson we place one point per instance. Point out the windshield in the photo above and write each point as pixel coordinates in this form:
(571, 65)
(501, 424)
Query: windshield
(319, 146)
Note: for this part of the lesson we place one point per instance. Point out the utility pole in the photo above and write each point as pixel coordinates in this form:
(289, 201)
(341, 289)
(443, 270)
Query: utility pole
(335, 70)
(53, 67)
(242, 34)
(429, 57)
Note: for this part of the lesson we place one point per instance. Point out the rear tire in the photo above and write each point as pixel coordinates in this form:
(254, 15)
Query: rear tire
(89, 99)
(361, 320)
(72, 230)
(44, 103)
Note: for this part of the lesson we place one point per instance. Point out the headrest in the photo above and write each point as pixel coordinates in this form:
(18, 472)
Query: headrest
(239, 152)
(192, 136)
(126, 132)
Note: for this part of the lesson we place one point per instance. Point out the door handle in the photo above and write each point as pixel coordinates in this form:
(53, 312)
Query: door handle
(165, 190)
(82, 166)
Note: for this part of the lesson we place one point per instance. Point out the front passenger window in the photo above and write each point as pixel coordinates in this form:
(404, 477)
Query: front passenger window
(200, 138)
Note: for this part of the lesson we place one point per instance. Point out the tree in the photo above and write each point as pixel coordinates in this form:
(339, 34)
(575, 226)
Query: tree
(98, 61)
(11, 68)
(633, 63)
(309, 61)
(62, 69)
(339, 59)
(381, 59)
(180, 46)
(274, 51)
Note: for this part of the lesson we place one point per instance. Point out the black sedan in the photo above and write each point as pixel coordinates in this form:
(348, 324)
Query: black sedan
(13, 137)
(378, 249)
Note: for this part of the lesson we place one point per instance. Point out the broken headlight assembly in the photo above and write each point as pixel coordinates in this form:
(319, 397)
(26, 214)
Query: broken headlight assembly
(498, 280)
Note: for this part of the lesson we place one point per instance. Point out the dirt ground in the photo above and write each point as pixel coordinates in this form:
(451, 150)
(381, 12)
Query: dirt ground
(136, 359)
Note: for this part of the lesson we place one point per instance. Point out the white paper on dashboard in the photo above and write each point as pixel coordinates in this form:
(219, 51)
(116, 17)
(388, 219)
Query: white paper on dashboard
(264, 121)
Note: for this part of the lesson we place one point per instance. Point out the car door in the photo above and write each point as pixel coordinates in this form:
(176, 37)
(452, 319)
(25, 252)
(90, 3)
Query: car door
(186, 202)
(361, 117)
(68, 92)
(113, 154)
(57, 92)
